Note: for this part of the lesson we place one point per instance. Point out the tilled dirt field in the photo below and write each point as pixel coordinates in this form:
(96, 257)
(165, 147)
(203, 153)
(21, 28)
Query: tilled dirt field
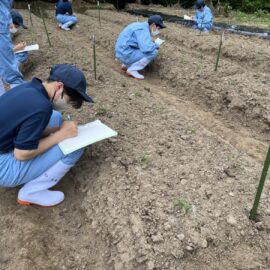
(187, 135)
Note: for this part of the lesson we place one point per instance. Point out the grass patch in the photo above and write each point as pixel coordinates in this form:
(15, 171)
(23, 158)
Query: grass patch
(102, 111)
(184, 205)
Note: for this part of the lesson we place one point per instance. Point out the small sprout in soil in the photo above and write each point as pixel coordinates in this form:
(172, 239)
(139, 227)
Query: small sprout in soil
(161, 109)
(145, 159)
(138, 94)
(101, 111)
(262, 94)
(183, 205)
(228, 158)
(193, 130)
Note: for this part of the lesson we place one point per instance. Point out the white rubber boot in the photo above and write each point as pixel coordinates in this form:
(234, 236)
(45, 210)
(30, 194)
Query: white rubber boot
(139, 65)
(66, 26)
(36, 191)
(135, 74)
(2, 88)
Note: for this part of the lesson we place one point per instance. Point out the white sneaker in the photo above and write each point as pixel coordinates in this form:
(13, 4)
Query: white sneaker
(45, 198)
(60, 25)
(135, 74)
(65, 28)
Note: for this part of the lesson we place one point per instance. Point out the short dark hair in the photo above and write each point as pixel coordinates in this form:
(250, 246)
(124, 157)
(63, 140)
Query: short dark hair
(76, 99)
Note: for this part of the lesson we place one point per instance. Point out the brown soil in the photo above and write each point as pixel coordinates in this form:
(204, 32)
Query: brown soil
(186, 133)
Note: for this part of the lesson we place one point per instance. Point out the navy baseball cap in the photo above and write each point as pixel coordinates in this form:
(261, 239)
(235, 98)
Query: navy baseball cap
(72, 78)
(156, 19)
(17, 18)
(199, 4)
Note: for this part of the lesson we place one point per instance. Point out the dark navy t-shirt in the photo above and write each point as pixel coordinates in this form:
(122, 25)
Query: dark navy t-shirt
(63, 8)
(25, 113)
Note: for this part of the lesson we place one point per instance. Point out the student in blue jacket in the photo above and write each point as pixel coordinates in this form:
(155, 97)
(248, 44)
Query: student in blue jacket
(9, 70)
(134, 47)
(64, 14)
(203, 17)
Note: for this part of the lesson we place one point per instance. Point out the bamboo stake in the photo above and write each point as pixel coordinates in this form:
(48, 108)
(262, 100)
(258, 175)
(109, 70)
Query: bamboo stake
(32, 26)
(29, 10)
(41, 14)
(219, 50)
(253, 211)
(94, 57)
(99, 19)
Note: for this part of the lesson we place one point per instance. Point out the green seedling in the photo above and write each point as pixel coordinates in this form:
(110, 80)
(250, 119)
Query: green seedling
(161, 109)
(193, 130)
(102, 111)
(137, 94)
(181, 204)
(145, 159)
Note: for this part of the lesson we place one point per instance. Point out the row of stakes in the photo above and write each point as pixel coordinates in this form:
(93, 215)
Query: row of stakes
(253, 212)
(49, 41)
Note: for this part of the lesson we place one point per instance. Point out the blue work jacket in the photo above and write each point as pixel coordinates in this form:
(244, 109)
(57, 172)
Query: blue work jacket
(5, 17)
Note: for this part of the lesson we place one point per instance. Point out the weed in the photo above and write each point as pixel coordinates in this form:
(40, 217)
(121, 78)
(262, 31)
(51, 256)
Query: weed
(101, 111)
(182, 205)
(161, 109)
(138, 94)
(146, 159)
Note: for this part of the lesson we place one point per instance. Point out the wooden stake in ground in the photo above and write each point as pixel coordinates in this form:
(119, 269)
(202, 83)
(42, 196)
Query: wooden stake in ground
(219, 49)
(253, 211)
(29, 10)
(99, 19)
(41, 14)
(94, 57)
(32, 26)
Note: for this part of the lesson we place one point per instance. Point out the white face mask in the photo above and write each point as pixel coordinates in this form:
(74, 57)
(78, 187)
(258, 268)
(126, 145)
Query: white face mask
(13, 30)
(154, 33)
(60, 104)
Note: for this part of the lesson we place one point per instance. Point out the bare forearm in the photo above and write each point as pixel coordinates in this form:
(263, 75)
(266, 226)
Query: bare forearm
(44, 144)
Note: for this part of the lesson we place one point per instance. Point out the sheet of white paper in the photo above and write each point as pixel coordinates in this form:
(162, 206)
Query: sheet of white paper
(33, 47)
(186, 17)
(87, 134)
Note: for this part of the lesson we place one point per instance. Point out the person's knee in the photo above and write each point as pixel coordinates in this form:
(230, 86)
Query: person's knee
(73, 157)
(153, 55)
(74, 20)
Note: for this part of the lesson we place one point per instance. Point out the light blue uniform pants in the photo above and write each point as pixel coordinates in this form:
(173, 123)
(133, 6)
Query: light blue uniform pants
(14, 172)
(203, 26)
(9, 70)
(66, 18)
(21, 57)
(135, 56)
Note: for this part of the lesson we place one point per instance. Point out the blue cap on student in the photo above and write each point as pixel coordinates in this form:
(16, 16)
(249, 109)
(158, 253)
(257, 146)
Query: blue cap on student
(72, 78)
(157, 20)
(17, 18)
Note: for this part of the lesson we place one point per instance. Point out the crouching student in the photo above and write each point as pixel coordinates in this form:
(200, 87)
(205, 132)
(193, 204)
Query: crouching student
(203, 17)
(64, 15)
(134, 47)
(9, 70)
(15, 26)
(29, 151)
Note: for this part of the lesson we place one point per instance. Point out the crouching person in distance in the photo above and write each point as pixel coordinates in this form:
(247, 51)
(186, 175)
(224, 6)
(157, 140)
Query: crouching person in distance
(31, 131)
(134, 47)
(64, 15)
(203, 17)
(15, 26)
